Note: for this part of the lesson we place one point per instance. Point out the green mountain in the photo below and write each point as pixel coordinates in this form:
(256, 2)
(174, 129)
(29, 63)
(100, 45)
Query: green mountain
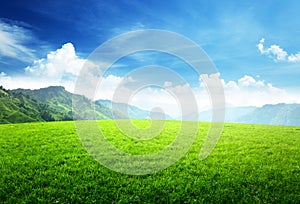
(18, 107)
(48, 104)
(55, 98)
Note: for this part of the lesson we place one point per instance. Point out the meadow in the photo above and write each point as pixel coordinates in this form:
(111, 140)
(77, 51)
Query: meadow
(45, 162)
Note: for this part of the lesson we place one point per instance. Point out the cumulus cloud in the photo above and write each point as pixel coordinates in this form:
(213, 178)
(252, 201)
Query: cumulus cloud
(61, 62)
(59, 67)
(62, 67)
(248, 81)
(12, 42)
(248, 91)
(294, 57)
(277, 53)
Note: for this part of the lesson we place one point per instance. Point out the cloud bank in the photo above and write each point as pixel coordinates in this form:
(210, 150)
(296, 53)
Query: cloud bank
(62, 67)
(248, 91)
(277, 53)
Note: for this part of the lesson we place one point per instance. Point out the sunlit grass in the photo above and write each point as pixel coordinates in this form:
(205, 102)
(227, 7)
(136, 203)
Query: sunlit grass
(46, 162)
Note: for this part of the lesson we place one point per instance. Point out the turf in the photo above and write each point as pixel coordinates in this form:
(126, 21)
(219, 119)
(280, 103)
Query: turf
(46, 163)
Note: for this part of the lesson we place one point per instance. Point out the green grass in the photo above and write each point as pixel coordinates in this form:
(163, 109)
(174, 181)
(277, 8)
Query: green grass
(46, 162)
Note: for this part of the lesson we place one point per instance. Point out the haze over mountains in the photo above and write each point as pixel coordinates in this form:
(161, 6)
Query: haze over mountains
(54, 103)
(278, 114)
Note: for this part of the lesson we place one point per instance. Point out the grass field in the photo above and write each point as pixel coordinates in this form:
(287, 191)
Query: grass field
(46, 162)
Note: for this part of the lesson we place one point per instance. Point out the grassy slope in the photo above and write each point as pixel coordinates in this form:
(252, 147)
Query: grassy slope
(58, 103)
(18, 110)
(251, 163)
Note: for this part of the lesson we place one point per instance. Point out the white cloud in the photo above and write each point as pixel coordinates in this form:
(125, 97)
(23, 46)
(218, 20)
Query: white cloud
(32, 82)
(277, 53)
(247, 91)
(147, 97)
(27, 82)
(294, 57)
(107, 87)
(61, 62)
(62, 67)
(12, 42)
(150, 98)
(248, 81)
(2, 74)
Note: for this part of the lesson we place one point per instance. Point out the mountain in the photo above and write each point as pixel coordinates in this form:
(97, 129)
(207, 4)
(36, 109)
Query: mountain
(54, 103)
(279, 114)
(132, 111)
(17, 107)
(55, 98)
(47, 104)
(59, 101)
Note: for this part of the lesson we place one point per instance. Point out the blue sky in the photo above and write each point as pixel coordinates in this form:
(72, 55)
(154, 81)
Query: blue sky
(228, 31)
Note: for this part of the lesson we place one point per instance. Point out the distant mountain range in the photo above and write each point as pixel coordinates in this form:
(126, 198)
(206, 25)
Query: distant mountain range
(279, 114)
(132, 111)
(54, 103)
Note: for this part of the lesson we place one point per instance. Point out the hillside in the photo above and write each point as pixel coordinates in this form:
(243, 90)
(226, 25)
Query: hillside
(55, 99)
(54, 103)
(47, 104)
(60, 102)
(18, 107)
